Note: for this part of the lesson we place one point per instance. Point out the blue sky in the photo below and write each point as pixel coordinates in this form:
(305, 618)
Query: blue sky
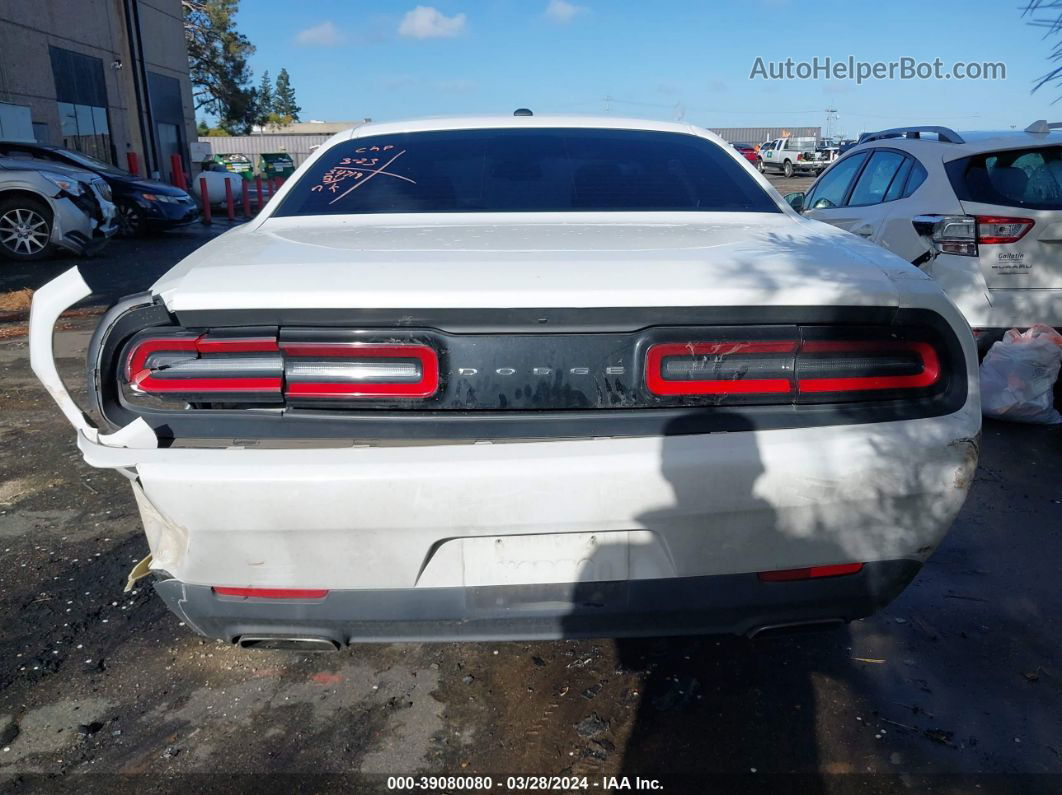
(349, 59)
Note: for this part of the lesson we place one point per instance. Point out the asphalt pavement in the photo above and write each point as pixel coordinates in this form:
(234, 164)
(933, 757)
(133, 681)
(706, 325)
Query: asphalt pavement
(957, 685)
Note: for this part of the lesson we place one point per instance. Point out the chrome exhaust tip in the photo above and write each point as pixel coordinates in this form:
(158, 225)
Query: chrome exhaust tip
(282, 643)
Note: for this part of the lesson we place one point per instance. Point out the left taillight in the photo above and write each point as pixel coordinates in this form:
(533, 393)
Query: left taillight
(236, 369)
(338, 370)
(206, 368)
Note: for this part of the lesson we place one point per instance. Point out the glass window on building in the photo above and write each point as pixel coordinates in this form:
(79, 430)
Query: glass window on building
(82, 97)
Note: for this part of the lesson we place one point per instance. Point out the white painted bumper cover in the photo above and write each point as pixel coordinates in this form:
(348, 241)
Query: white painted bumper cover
(396, 517)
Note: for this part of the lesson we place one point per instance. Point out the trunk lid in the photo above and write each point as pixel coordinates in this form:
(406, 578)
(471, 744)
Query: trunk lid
(550, 260)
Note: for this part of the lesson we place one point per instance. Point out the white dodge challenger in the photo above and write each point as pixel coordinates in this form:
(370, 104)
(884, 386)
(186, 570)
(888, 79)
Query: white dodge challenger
(528, 377)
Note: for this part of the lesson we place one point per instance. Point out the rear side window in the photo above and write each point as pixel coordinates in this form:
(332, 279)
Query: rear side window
(896, 190)
(918, 176)
(832, 187)
(525, 170)
(876, 178)
(1030, 177)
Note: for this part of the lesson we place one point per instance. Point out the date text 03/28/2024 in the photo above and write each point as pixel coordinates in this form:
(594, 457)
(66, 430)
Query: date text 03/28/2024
(521, 783)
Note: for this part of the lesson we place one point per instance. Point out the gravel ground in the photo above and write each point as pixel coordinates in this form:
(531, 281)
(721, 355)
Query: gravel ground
(961, 676)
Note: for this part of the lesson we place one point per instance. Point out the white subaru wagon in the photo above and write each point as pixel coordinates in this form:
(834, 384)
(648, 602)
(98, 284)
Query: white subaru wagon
(980, 212)
(528, 377)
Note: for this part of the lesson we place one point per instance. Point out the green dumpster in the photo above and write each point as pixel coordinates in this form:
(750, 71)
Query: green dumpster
(236, 163)
(276, 164)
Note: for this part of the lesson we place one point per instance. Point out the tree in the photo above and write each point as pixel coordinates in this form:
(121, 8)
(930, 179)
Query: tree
(202, 128)
(217, 58)
(1052, 25)
(284, 104)
(264, 100)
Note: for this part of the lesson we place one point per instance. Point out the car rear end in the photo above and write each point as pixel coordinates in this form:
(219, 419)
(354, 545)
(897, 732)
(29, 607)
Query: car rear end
(748, 151)
(1006, 239)
(597, 422)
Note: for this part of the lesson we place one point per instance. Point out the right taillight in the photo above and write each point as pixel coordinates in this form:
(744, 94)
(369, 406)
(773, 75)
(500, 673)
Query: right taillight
(996, 229)
(776, 371)
(961, 234)
(763, 367)
(866, 366)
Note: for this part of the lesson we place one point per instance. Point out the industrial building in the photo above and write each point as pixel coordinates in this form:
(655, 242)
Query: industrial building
(105, 77)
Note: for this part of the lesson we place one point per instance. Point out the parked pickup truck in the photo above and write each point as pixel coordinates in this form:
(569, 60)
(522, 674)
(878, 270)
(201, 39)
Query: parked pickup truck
(793, 155)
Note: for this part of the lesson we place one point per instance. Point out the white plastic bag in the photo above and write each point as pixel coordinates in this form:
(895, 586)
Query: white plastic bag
(1018, 376)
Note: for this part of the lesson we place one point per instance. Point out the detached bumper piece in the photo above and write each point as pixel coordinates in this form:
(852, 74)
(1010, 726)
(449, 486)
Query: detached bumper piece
(741, 604)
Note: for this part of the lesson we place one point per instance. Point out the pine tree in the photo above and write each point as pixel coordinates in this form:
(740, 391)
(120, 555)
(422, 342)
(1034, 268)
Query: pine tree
(284, 104)
(264, 100)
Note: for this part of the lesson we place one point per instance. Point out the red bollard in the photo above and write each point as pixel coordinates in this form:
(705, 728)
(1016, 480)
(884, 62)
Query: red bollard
(134, 163)
(246, 199)
(228, 201)
(258, 187)
(178, 171)
(206, 200)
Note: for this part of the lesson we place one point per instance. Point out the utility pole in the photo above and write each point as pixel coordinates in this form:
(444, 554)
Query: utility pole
(608, 103)
(831, 117)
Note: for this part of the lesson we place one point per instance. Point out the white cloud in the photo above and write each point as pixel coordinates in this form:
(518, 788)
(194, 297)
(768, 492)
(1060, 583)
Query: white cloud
(562, 12)
(324, 35)
(426, 22)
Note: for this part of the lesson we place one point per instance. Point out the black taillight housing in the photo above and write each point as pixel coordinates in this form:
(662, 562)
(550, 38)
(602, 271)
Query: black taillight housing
(474, 374)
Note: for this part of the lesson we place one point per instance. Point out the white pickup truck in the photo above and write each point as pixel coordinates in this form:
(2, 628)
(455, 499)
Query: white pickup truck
(789, 156)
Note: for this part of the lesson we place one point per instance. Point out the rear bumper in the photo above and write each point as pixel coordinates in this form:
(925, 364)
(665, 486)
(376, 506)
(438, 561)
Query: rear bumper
(431, 516)
(726, 604)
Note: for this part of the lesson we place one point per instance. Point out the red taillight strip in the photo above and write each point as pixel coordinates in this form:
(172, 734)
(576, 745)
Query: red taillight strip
(427, 386)
(929, 375)
(659, 385)
(810, 573)
(999, 219)
(211, 385)
(272, 593)
(141, 378)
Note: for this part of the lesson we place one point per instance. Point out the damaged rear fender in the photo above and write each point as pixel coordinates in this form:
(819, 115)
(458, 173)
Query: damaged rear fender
(49, 302)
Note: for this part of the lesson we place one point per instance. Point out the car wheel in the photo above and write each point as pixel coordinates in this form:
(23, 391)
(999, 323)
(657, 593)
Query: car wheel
(787, 168)
(25, 229)
(130, 220)
(761, 167)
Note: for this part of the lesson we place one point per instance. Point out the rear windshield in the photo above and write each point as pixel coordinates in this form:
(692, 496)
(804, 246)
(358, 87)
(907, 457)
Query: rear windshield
(1014, 178)
(520, 170)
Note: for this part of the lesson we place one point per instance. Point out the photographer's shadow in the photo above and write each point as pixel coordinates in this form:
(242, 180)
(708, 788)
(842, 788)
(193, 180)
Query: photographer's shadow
(718, 704)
